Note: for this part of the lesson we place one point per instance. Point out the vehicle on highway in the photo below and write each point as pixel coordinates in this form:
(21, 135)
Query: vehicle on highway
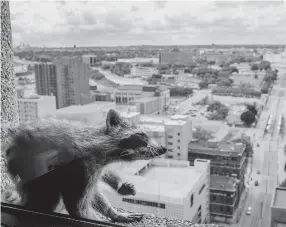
(248, 211)
(256, 183)
(258, 171)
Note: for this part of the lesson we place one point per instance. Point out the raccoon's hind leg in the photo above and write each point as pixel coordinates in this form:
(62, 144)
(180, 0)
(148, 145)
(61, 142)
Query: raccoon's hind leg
(41, 194)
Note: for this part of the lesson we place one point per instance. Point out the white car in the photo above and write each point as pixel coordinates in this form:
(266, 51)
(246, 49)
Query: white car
(248, 211)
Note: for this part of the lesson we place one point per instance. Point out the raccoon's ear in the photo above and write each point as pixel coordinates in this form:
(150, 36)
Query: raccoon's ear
(113, 119)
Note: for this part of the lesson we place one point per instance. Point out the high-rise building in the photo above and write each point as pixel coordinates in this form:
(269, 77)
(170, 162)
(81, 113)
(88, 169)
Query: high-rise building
(72, 82)
(35, 107)
(46, 83)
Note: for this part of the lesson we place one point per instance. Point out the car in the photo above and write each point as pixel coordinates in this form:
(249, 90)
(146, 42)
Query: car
(258, 145)
(248, 211)
(256, 183)
(258, 171)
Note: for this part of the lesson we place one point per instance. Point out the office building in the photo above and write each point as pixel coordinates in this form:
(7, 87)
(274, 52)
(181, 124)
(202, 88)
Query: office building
(46, 82)
(89, 59)
(72, 82)
(182, 58)
(98, 96)
(216, 57)
(34, 107)
(148, 105)
(278, 208)
(173, 132)
(143, 72)
(228, 160)
(127, 94)
(168, 188)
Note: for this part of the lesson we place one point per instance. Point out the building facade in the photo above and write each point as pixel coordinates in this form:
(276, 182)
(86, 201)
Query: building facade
(182, 58)
(72, 82)
(35, 107)
(128, 94)
(173, 132)
(89, 59)
(143, 72)
(167, 188)
(46, 81)
(228, 160)
(278, 208)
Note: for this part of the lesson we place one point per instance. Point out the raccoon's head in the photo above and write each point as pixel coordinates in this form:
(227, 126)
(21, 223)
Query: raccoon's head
(131, 142)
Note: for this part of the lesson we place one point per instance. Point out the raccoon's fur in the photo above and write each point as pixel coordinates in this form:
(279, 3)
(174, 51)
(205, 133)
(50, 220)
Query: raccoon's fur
(89, 150)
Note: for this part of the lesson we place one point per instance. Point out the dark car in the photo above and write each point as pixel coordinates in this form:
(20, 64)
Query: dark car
(256, 183)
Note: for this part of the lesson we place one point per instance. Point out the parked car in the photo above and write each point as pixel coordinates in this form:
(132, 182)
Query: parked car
(256, 183)
(248, 211)
(258, 171)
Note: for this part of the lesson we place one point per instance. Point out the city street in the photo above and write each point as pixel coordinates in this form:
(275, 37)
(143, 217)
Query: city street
(265, 159)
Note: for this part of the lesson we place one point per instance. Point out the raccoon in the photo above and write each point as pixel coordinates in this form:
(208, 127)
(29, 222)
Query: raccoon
(87, 149)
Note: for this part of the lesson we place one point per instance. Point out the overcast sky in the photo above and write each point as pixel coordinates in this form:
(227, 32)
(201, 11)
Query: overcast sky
(94, 23)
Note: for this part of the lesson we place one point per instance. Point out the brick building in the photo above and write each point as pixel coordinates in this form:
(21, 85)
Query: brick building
(228, 164)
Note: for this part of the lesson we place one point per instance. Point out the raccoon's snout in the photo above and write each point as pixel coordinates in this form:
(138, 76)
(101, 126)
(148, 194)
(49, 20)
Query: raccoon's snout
(162, 150)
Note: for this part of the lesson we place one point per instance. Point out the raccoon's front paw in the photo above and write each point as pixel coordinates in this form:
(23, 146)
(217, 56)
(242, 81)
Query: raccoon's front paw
(127, 189)
(127, 217)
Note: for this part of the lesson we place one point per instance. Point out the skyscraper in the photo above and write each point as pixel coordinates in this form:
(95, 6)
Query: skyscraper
(72, 82)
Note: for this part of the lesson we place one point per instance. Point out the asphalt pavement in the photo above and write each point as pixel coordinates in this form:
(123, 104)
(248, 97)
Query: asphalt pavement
(265, 159)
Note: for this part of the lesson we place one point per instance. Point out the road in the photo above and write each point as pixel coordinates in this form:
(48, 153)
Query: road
(265, 159)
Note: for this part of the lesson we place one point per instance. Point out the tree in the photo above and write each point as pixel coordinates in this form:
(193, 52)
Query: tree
(252, 109)
(202, 134)
(246, 142)
(214, 106)
(247, 117)
(203, 84)
(254, 67)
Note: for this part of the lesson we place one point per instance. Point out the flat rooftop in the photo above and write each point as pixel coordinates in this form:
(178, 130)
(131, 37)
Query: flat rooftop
(145, 99)
(221, 148)
(222, 183)
(161, 182)
(279, 198)
(89, 108)
(153, 127)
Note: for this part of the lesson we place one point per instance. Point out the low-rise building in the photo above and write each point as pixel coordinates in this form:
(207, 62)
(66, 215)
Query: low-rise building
(182, 58)
(128, 94)
(143, 72)
(104, 96)
(148, 105)
(34, 107)
(166, 188)
(89, 59)
(278, 208)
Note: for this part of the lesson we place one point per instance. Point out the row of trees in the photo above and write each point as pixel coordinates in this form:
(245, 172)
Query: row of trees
(218, 111)
(119, 68)
(236, 92)
(263, 65)
(180, 91)
(269, 78)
